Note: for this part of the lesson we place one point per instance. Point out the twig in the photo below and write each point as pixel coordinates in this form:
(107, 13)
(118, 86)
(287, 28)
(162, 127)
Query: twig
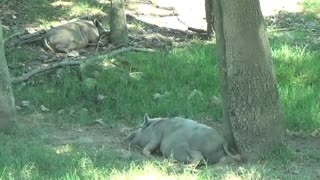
(282, 29)
(197, 30)
(143, 49)
(191, 28)
(63, 63)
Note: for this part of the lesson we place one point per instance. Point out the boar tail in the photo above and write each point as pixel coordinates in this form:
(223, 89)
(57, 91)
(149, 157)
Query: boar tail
(235, 157)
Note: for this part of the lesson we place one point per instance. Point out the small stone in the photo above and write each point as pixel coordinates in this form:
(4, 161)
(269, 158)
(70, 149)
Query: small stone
(100, 97)
(73, 54)
(25, 103)
(61, 111)
(44, 109)
(194, 93)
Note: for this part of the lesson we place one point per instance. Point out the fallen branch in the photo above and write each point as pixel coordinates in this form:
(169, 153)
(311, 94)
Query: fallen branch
(197, 30)
(28, 75)
(191, 28)
(31, 37)
(64, 63)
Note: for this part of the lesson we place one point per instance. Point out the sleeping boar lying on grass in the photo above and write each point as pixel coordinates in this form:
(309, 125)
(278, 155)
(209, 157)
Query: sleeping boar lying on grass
(182, 139)
(74, 35)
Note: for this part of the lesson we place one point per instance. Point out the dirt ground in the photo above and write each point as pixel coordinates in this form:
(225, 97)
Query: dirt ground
(159, 18)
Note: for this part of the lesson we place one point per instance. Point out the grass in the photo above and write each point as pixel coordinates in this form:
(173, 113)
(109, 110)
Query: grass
(311, 7)
(174, 77)
(33, 154)
(182, 82)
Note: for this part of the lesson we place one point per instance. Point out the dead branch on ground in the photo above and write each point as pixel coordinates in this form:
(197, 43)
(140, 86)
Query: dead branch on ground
(31, 37)
(64, 63)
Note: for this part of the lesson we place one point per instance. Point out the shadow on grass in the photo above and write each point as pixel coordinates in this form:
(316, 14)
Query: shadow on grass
(32, 154)
(43, 12)
(296, 29)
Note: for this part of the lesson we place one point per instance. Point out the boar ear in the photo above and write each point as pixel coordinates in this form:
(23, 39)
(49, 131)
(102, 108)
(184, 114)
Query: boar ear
(99, 26)
(146, 120)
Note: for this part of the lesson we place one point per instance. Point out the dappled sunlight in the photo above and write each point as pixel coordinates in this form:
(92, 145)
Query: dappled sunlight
(176, 14)
(152, 171)
(62, 4)
(167, 170)
(108, 63)
(270, 7)
(136, 75)
(63, 149)
(83, 9)
(311, 7)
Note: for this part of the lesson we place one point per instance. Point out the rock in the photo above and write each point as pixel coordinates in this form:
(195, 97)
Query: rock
(25, 103)
(44, 109)
(73, 54)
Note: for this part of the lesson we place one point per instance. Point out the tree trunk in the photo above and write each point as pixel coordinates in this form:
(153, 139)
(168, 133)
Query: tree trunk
(209, 17)
(118, 23)
(251, 107)
(7, 106)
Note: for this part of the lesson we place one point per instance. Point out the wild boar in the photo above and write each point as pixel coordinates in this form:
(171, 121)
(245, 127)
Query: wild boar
(74, 35)
(182, 139)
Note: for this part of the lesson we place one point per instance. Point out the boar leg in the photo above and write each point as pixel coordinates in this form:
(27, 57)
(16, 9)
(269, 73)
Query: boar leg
(196, 157)
(150, 147)
(215, 156)
(67, 47)
(62, 47)
(183, 153)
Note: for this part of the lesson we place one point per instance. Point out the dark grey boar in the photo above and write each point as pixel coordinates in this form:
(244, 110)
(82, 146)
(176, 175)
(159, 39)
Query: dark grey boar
(182, 139)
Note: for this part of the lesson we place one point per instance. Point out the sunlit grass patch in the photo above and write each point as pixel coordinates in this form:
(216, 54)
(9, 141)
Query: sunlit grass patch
(297, 72)
(85, 9)
(311, 7)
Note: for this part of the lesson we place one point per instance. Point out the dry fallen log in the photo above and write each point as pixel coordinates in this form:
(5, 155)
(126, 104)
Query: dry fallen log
(64, 63)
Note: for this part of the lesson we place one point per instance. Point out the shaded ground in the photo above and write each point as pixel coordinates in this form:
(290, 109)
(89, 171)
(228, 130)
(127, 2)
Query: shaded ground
(304, 150)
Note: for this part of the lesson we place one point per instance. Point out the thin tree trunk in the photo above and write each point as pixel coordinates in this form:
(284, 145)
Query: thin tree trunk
(209, 17)
(221, 50)
(118, 23)
(7, 106)
(251, 106)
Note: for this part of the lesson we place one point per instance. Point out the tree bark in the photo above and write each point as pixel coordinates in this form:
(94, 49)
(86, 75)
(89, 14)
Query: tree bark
(7, 106)
(251, 106)
(118, 23)
(209, 17)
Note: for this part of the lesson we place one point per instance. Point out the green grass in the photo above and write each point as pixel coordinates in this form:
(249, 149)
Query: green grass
(183, 82)
(174, 77)
(311, 7)
(33, 153)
